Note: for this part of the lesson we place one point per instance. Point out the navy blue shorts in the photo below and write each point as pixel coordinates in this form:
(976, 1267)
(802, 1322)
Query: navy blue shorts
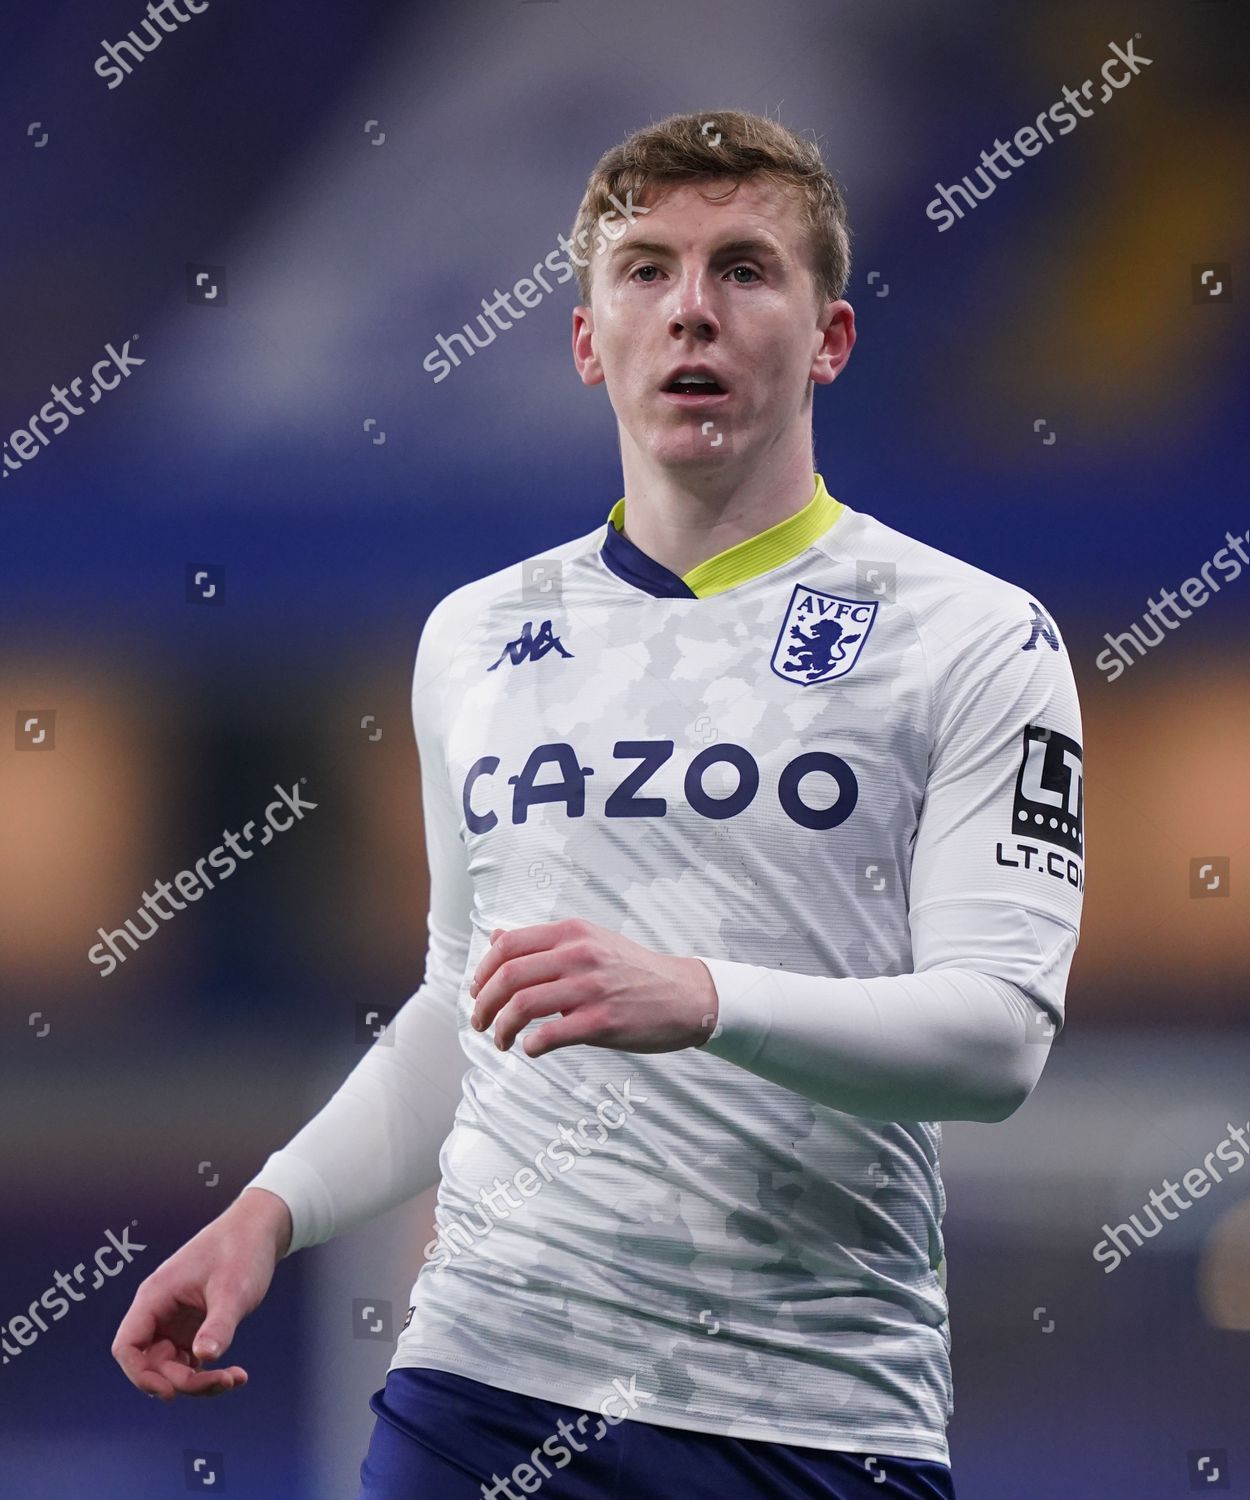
(444, 1437)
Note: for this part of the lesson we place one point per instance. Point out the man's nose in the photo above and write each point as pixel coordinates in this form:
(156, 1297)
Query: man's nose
(692, 310)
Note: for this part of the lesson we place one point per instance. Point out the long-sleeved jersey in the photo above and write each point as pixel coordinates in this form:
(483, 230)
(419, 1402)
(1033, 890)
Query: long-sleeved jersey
(843, 769)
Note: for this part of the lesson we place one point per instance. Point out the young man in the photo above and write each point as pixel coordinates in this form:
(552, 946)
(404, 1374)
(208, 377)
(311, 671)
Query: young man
(755, 843)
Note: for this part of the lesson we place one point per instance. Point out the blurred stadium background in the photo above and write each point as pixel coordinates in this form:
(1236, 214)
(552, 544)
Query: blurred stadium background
(358, 180)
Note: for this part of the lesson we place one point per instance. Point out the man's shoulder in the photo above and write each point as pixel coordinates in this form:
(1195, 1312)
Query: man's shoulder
(937, 587)
(535, 576)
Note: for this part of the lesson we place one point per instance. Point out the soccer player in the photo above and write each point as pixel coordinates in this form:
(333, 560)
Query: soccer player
(754, 830)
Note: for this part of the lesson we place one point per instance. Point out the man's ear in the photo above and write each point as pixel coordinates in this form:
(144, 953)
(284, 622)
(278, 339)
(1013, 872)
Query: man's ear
(837, 325)
(585, 359)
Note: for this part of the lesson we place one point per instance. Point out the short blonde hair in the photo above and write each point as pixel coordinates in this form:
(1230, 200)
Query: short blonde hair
(722, 143)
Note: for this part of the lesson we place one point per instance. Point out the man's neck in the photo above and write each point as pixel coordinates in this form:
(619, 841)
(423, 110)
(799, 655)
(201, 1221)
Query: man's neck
(682, 519)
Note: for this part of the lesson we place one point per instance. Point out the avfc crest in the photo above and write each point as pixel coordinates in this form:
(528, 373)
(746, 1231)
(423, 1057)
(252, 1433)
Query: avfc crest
(821, 636)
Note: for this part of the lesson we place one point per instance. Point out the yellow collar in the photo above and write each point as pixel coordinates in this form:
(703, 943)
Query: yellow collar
(760, 553)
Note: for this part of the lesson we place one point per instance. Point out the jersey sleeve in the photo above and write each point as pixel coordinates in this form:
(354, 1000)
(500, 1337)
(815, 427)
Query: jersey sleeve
(376, 1143)
(998, 867)
(994, 906)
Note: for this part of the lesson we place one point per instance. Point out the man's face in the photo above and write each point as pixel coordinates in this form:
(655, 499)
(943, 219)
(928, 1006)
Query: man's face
(725, 286)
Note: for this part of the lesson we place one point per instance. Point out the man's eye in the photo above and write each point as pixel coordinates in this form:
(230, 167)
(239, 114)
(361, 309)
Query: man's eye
(638, 269)
(750, 270)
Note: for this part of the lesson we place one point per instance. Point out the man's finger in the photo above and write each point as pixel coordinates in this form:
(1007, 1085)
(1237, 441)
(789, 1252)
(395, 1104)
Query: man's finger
(522, 972)
(570, 1030)
(502, 945)
(134, 1336)
(188, 1382)
(152, 1384)
(215, 1333)
(530, 1001)
(520, 940)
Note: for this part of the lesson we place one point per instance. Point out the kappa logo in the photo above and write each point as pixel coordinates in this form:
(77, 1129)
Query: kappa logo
(527, 644)
(822, 635)
(1042, 628)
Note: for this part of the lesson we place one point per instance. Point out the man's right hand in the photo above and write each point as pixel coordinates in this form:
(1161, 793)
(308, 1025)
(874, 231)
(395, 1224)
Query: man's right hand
(187, 1310)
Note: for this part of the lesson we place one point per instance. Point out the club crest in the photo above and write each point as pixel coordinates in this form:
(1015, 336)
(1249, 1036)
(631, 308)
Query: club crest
(821, 636)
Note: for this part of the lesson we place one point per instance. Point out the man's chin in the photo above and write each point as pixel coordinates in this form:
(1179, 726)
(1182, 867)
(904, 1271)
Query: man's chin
(694, 445)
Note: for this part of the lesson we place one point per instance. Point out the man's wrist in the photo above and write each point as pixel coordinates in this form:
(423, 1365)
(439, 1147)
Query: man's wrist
(708, 1001)
(257, 1205)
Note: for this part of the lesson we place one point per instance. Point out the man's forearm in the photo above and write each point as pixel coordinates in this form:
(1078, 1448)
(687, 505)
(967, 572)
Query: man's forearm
(376, 1143)
(946, 1044)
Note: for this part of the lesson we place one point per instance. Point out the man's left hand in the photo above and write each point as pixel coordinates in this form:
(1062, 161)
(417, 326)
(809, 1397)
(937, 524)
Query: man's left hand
(607, 990)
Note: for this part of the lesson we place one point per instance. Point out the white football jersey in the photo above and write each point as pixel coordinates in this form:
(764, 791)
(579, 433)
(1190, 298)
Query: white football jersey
(830, 751)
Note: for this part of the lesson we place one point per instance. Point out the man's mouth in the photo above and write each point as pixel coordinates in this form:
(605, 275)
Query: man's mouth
(694, 387)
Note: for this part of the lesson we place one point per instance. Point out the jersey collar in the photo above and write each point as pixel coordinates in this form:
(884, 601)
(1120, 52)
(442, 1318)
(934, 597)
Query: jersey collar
(737, 564)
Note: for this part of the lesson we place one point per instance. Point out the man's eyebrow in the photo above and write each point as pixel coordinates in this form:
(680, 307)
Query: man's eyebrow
(750, 245)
